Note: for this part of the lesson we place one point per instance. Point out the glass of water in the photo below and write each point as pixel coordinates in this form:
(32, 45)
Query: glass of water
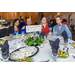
(5, 55)
(22, 34)
(54, 55)
(10, 36)
(56, 33)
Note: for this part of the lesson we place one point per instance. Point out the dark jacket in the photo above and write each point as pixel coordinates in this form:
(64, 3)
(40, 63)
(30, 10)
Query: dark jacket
(11, 30)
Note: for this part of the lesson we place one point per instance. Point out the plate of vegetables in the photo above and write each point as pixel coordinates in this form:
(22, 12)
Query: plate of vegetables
(6, 37)
(25, 60)
(62, 53)
(2, 41)
(73, 44)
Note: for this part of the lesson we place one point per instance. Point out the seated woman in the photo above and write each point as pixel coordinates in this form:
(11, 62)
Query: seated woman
(15, 29)
(23, 30)
(45, 27)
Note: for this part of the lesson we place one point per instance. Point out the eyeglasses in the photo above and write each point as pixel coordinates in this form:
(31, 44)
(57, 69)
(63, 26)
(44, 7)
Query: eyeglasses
(28, 21)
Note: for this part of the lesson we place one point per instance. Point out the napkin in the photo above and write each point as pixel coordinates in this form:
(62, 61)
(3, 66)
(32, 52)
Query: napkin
(43, 34)
(5, 49)
(54, 46)
(64, 35)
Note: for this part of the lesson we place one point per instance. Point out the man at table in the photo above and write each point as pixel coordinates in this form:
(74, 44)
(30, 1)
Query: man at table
(59, 28)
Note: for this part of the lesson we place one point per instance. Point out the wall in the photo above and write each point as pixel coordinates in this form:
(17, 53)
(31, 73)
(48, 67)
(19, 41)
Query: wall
(23, 15)
(50, 13)
(55, 13)
(10, 15)
(39, 16)
(15, 15)
(4, 15)
(67, 13)
(34, 16)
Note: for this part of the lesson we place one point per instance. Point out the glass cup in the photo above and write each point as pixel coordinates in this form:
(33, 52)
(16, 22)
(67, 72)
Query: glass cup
(54, 55)
(56, 33)
(10, 36)
(22, 34)
(45, 38)
(5, 56)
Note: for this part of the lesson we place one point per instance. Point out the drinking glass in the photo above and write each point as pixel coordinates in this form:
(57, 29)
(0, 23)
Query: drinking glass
(56, 33)
(54, 55)
(45, 38)
(50, 33)
(10, 36)
(22, 34)
(5, 56)
(50, 29)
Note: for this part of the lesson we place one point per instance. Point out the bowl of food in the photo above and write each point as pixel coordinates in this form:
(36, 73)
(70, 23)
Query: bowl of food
(62, 53)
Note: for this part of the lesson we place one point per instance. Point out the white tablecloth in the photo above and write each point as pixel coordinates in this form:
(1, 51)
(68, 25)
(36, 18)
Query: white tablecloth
(45, 52)
(4, 27)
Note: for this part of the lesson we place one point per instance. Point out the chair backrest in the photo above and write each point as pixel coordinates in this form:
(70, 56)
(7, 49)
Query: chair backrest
(3, 32)
(36, 23)
(8, 23)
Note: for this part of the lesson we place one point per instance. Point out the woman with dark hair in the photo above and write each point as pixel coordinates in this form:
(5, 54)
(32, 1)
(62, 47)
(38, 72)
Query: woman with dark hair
(64, 21)
(22, 23)
(15, 29)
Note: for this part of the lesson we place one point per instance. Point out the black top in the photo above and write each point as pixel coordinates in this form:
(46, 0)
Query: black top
(11, 30)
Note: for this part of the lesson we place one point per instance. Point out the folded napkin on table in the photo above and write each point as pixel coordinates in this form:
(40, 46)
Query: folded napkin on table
(54, 46)
(64, 35)
(5, 49)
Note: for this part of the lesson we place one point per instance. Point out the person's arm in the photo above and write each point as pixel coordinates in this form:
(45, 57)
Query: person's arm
(24, 23)
(68, 32)
(54, 30)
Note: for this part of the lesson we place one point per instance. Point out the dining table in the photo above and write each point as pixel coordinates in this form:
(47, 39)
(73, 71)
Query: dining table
(2, 27)
(45, 52)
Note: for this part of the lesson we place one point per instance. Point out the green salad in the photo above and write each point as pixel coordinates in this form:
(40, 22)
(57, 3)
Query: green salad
(62, 53)
(73, 44)
(2, 41)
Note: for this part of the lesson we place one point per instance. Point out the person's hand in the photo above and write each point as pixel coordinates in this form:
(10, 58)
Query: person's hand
(23, 27)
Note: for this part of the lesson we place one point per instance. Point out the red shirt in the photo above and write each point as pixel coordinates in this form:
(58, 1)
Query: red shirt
(65, 23)
(45, 29)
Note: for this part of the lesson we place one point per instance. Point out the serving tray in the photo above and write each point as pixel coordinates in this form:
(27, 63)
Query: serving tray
(11, 54)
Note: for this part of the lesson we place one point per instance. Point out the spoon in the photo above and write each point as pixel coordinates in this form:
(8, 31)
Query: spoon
(73, 56)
